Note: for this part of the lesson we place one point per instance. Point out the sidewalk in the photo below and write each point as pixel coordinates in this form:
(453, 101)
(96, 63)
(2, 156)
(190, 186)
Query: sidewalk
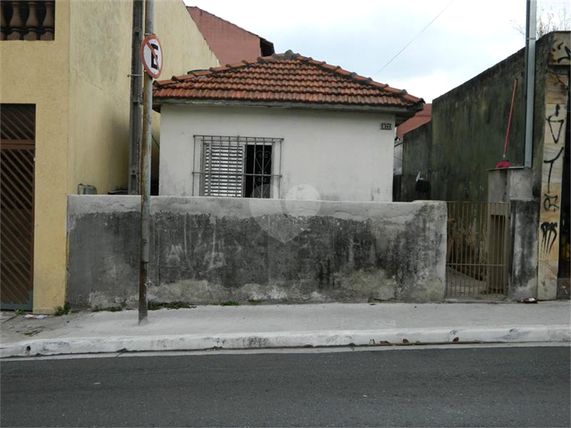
(283, 326)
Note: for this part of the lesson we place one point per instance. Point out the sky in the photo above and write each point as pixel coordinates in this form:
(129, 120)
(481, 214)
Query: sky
(363, 36)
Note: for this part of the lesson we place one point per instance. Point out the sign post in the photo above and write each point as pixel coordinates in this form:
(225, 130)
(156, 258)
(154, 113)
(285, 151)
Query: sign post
(152, 57)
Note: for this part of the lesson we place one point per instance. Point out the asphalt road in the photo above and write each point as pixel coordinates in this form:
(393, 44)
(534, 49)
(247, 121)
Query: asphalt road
(513, 386)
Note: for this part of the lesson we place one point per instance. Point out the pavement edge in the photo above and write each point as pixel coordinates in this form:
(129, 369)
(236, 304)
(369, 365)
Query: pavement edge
(197, 342)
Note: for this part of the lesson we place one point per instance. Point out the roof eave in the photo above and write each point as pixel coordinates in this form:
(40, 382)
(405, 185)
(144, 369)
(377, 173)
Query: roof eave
(401, 113)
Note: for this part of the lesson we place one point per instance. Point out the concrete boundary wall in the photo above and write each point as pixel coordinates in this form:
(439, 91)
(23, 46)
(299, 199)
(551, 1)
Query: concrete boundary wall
(210, 250)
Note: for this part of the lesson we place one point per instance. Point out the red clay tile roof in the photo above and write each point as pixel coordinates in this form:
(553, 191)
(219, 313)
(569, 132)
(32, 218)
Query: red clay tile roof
(285, 78)
(414, 122)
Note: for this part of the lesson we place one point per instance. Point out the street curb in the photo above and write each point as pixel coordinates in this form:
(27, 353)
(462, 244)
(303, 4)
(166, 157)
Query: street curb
(198, 342)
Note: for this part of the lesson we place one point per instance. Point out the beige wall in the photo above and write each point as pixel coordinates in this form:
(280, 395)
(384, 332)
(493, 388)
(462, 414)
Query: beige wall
(100, 64)
(80, 85)
(184, 49)
(36, 72)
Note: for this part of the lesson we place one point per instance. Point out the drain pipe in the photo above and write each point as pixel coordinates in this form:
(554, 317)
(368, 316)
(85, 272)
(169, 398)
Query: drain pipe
(530, 34)
(136, 108)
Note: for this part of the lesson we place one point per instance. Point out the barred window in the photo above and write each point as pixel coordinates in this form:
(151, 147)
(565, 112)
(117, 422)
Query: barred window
(234, 166)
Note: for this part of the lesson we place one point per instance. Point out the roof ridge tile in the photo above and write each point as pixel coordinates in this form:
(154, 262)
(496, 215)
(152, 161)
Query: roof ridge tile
(287, 76)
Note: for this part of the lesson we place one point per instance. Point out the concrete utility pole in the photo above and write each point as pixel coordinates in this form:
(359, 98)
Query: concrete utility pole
(530, 34)
(145, 182)
(136, 98)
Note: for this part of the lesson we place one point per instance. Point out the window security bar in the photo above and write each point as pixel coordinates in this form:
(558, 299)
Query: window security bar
(234, 166)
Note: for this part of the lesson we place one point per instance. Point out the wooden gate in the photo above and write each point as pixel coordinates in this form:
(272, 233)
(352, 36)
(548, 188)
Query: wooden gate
(17, 205)
(478, 246)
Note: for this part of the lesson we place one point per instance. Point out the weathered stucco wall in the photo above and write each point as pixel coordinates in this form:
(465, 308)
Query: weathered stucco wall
(469, 125)
(100, 67)
(343, 156)
(554, 207)
(514, 185)
(417, 152)
(468, 130)
(208, 250)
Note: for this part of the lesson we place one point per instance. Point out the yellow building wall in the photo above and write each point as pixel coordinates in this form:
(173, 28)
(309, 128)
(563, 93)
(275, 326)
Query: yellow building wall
(36, 72)
(80, 85)
(184, 49)
(100, 65)
(183, 45)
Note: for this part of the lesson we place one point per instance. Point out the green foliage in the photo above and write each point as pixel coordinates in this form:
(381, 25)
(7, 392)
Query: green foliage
(229, 303)
(153, 305)
(255, 302)
(63, 310)
(109, 309)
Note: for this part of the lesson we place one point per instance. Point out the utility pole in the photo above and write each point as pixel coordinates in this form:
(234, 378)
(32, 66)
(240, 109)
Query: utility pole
(530, 35)
(136, 99)
(145, 181)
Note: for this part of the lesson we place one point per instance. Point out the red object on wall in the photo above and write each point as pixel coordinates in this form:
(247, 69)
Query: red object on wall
(503, 164)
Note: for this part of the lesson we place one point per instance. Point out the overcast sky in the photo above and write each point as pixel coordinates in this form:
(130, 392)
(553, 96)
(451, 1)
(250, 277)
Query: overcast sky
(364, 35)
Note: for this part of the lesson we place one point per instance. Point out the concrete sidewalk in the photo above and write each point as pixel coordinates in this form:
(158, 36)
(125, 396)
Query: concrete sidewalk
(283, 326)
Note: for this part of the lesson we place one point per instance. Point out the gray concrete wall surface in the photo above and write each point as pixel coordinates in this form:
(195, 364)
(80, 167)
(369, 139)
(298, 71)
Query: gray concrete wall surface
(416, 156)
(211, 250)
(523, 260)
(469, 125)
(514, 185)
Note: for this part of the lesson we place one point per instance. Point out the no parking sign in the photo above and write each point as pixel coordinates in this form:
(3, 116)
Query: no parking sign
(152, 56)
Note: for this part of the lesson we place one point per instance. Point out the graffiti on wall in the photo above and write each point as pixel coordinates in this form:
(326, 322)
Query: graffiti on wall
(548, 235)
(554, 140)
(560, 53)
(555, 124)
(550, 208)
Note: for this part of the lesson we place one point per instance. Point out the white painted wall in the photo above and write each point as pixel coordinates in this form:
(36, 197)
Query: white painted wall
(344, 156)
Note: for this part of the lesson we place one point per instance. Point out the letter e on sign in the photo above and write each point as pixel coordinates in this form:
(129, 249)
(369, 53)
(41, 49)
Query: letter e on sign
(152, 56)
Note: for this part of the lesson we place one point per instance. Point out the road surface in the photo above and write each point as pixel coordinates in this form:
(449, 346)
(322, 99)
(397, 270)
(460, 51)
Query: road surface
(479, 386)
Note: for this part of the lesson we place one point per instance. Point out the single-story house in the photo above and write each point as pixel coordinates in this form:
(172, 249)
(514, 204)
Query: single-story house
(281, 126)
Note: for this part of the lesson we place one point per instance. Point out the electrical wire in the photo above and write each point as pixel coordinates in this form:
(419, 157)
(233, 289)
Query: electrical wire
(414, 38)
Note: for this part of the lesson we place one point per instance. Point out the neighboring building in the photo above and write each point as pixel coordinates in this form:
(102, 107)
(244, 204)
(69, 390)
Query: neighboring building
(229, 42)
(414, 122)
(283, 126)
(65, 124)
(454, 153)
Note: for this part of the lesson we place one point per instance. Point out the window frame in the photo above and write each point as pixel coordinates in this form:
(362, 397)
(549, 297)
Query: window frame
(199, 172)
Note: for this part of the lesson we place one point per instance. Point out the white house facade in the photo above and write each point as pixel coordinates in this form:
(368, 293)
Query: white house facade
(336, 156)
(283, 127)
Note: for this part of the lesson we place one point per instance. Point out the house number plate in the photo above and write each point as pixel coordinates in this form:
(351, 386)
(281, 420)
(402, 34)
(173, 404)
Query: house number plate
(386, 126)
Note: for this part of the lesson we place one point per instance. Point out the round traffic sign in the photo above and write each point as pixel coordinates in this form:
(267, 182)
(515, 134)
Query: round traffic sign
(152, 56)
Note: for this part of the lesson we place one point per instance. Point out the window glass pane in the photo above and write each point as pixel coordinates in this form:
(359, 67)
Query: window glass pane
(258, 170)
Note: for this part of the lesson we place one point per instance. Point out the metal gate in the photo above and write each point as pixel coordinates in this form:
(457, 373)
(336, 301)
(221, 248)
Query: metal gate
(17, 205)
(478, 244)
